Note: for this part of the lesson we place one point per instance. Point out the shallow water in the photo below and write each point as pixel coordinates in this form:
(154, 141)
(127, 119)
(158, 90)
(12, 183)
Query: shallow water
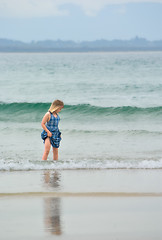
(112, 115)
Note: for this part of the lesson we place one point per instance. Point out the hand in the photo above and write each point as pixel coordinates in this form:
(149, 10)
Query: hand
(49, 134)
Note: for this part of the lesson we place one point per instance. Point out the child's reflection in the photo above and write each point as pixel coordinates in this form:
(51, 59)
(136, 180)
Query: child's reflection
(53, 204)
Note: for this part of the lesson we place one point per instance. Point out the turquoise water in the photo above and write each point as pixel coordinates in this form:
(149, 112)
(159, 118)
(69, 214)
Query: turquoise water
(112, 115)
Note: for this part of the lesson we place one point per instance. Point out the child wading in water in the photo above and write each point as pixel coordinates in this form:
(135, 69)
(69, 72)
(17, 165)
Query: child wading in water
(51, 134)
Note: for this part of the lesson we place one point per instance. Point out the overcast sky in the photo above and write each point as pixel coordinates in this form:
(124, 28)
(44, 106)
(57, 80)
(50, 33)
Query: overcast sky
(80, 20)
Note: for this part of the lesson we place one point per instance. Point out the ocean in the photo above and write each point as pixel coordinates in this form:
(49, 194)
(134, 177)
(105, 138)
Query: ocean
(112, 117)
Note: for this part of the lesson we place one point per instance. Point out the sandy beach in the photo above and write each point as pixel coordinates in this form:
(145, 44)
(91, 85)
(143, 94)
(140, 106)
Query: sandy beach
(89, 204)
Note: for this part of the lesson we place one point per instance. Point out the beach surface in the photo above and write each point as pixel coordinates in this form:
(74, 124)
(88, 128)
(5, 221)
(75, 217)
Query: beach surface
(81, 204)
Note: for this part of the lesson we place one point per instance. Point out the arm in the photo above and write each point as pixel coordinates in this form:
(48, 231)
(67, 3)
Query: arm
(45, 119)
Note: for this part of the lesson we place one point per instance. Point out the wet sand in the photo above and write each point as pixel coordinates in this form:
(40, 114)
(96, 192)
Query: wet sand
(81, 204)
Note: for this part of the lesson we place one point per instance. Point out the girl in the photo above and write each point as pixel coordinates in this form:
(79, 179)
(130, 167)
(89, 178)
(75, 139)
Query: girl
(51, 134)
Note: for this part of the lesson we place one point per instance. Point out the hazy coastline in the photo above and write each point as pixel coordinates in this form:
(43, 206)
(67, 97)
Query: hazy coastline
(101, 45)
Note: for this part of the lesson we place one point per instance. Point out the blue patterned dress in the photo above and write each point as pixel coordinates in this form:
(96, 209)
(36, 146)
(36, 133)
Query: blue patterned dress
(52, 126)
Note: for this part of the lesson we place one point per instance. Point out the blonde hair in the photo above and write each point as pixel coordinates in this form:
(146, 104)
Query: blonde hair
(55, 105)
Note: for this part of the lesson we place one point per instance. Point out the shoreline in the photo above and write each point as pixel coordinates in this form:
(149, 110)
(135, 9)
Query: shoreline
(81, 194)
(81, 204)
(89, 181)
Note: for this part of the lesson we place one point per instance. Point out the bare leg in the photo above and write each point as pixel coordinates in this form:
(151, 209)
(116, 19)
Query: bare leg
(47, 146)
(55, 153)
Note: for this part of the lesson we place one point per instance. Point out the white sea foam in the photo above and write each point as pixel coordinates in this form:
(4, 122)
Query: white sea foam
(81, 164)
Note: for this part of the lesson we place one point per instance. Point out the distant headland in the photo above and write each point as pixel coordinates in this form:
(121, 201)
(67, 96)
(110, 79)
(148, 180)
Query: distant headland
(134, 44)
